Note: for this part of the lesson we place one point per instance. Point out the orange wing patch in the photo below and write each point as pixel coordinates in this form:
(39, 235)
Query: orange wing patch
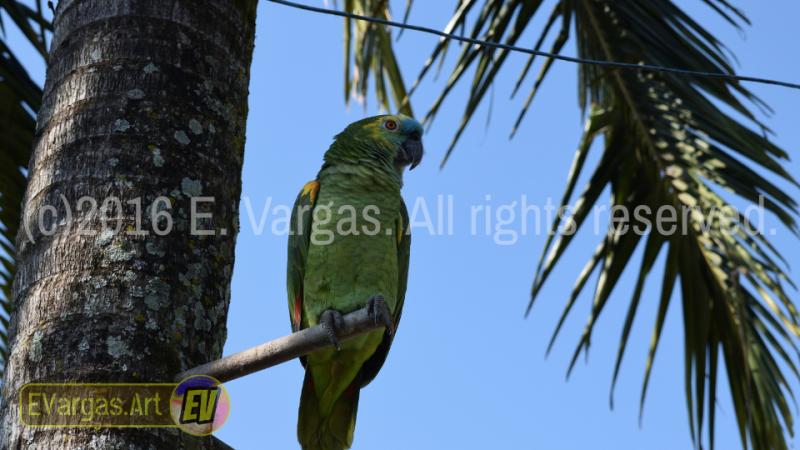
(311, 189)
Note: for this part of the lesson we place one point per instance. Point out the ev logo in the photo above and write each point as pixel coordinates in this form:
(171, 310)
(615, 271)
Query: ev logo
(200, 405)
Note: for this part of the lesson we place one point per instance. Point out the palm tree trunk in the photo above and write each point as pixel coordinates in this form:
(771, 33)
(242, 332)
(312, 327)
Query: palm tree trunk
(144, 107)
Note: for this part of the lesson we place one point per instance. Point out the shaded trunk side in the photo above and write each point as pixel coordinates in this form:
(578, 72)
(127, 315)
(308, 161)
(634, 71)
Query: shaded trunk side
(144, 99)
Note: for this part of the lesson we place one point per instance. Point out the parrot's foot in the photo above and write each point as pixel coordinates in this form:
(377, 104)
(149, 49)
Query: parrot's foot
(332, 321)
(379, 311)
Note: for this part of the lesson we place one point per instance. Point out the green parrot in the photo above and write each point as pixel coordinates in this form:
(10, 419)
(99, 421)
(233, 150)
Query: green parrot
(349, 248)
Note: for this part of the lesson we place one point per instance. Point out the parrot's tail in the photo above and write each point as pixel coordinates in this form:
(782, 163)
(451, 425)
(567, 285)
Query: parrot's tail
(334, 431)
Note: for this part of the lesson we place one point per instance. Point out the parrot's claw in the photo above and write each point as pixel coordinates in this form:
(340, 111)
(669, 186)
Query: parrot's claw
(332, 321)
(379, 311)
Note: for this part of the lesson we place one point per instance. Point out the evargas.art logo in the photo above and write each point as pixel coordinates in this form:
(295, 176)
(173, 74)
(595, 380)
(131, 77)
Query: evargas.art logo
(198, 405)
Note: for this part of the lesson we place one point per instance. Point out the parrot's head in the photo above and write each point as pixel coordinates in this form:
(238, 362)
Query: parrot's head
(389, 140)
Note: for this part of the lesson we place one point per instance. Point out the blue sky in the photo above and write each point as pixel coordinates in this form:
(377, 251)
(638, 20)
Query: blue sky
(466, 370)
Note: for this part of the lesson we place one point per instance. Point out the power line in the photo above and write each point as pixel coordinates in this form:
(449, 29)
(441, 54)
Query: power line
(594, 62)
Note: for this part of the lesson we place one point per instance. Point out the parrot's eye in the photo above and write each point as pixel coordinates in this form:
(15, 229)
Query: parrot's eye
(390, 125)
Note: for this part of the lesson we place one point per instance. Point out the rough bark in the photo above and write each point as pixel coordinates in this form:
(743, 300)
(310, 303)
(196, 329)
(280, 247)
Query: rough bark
(143, 99)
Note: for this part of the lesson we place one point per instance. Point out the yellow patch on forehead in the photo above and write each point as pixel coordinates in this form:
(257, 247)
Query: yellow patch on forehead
(375, 127)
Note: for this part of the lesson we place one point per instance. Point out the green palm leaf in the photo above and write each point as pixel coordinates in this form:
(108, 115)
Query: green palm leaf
(20, 98)
(675, 147)
(370, 50)
(666, 144)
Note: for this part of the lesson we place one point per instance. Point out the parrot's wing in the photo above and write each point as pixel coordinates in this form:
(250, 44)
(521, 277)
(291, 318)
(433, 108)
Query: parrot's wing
(299, 238)
(403, 255)
(371, 367)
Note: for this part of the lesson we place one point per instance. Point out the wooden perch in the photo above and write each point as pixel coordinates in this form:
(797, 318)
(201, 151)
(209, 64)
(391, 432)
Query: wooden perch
(282, 349)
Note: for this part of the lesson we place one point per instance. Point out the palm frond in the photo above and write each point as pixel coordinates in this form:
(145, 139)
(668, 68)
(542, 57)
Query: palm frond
(667, 143)
(369, 50)
(30, 22)
(20, 98)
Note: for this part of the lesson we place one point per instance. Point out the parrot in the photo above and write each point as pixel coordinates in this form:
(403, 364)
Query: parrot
(349, 247)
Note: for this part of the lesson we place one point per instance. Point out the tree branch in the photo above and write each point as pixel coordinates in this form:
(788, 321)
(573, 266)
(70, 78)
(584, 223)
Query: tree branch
(282, 349)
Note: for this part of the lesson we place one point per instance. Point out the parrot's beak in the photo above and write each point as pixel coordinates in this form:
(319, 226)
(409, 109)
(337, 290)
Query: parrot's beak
(412, 151)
